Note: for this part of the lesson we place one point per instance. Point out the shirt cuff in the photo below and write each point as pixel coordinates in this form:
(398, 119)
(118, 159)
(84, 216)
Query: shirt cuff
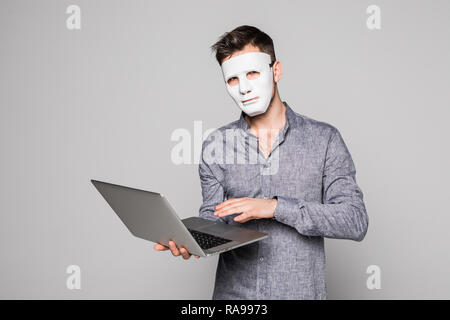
(287, 210)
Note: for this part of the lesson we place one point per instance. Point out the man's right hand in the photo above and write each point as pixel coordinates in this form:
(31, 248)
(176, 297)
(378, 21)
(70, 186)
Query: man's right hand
(174, 249)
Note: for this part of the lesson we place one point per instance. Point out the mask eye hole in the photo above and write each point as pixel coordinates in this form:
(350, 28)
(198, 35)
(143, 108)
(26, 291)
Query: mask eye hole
(252, 75)
(233, 81)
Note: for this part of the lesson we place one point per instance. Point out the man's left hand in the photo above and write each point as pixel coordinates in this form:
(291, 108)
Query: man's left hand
(249, 208)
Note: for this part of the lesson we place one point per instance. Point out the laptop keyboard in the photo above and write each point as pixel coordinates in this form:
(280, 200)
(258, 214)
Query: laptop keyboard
(206, 240)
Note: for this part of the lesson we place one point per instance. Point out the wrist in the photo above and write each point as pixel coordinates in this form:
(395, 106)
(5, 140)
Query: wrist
(274, 202)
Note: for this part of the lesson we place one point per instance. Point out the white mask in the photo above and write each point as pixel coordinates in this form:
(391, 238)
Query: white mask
(249, 80)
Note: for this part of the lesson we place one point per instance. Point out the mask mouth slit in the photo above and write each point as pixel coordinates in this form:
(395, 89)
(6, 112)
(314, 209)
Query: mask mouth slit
(251, 100)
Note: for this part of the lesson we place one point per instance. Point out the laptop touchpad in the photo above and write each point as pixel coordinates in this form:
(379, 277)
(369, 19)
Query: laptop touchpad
(218, 228)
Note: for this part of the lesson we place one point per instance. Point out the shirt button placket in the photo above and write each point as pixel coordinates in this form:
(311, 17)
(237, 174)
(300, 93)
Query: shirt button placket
(265, 188)
(265, 178)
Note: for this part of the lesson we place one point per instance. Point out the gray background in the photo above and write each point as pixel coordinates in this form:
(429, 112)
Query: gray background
(102, 102)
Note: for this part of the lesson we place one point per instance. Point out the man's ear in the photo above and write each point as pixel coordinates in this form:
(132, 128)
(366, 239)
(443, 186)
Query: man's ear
(277, 71)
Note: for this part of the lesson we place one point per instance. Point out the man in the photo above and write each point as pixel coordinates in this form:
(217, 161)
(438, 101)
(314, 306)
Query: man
(301, 189)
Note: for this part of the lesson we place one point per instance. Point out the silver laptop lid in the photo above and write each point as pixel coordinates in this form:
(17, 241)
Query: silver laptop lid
(148, 215)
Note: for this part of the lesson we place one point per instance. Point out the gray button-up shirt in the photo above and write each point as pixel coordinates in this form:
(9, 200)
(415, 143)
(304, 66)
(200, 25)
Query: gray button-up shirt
(311, 173)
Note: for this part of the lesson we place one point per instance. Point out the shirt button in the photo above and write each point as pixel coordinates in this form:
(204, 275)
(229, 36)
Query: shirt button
(261, 259)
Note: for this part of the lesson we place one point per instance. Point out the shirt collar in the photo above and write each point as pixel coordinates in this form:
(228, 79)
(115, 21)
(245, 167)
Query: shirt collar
(289, 120)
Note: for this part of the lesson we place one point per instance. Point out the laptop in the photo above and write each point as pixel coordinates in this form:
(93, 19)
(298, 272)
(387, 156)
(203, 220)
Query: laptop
(149, 215)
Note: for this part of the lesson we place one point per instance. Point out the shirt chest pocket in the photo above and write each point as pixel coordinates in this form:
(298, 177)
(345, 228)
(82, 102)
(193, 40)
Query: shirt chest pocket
(242, 180)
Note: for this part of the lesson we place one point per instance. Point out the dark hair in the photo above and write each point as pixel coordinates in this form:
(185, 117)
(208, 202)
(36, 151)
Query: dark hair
(238, 38)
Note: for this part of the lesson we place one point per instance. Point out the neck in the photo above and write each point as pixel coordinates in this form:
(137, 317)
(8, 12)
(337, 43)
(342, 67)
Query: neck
(273, 119)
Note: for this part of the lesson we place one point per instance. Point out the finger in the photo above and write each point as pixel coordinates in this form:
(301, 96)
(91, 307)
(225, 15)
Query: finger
(185, 254)
(174, 248)
(227, 202)
(243, 218)
(224, 203)
(237, 207)
(160, 247)
(235, 204)
(241, 208)
(197, 257)
(230, 202)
